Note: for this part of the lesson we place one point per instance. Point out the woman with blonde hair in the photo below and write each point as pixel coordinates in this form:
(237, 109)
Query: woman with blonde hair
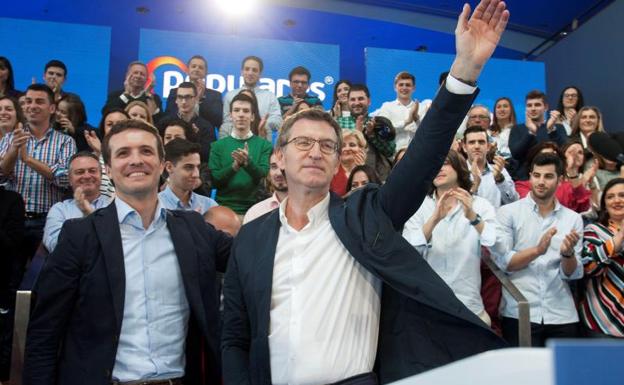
(353, 154)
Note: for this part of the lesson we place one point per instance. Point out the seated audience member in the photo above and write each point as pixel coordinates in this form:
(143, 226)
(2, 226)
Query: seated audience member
(277, 184)
(182, 163)
(607, 170)
(11, 116)
(223, 219)
(353, 153)
(71, 118)
(209, 105)
(54, 76)
(479, 115)
(299, 80)
(587, 121)
(85, 176)
(580, 180)
(404, 112)
(381, 142)
(568, 106)
(11, 234)
(134, 89)
(269, 108)
(576, 198)
(361, 176)
(538, 245)
(7, 80)
(34, 161)
(535, 130)
(136, 109)
(174, 128)
(449, 229)
(109, 118)
(340, 101)
(186, 101)
(602, 306)
(504, 120)
(240, 161)
(490, 179)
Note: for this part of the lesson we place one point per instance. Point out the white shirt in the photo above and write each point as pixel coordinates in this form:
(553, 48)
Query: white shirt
(454, 250)
(261, 208)
(497, 194)
(542, 282)
(398, 113)
(502, 142)
(325, 306)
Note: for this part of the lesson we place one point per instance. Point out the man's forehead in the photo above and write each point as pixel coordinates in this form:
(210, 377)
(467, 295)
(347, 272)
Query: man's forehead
(84, 162)
(313, 128)
(137, 67)
(56, 70)
(478, 110)
(141, 137)
(34, 94)
(241, 104)
(535, 101)
(357, 94)
(545, 169)
(185, 91)
(197, 62)
(476, 136)
(250, 63)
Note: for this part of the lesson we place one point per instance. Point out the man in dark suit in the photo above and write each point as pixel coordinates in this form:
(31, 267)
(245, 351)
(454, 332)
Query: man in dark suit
(128, 293)
(303, 302)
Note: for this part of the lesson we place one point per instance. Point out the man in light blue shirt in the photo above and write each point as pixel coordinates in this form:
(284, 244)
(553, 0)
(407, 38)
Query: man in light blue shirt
(268, 106)
(182, 162)
(539, 247)
(85, 176)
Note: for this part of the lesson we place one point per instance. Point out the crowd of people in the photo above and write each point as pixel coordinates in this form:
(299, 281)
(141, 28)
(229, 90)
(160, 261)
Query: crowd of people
(532, 196)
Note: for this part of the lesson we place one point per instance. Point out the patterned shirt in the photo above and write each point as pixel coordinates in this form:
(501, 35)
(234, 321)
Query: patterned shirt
(286, 101)
(53, 149)
(383, 146)
(602, 308)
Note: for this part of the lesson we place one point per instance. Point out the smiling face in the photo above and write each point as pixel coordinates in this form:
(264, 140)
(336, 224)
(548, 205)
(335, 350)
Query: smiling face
(85, 172)
(358, 103)
(588, 122)
(251, 72)
(544, 181)
(404, 89)
(135, 165)
(535, 109)
(570, 98)
(197, 69)
(343, 92)
(614, 202)
(137, 76)
(184, 174)
(447, 177)
(138, 112)
(503, 110)
(38, 107)
(8, 115)
(349, 147)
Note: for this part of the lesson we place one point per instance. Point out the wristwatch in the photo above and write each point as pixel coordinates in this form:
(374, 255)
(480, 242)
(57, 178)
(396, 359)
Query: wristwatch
(566, 255)
(476, 221)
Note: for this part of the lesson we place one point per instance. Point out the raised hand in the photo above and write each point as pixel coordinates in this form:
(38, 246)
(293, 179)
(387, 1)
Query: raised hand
(552, 119)
(82, 202)
(443, 206)
(477, 36)
(568, 243)
(499, 165)
(359, 157)
(544, 242)
(466, 201)
(530, 124)
(93, 141)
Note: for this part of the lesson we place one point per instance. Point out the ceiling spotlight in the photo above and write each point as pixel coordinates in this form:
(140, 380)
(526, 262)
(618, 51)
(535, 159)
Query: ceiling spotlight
(236, 7)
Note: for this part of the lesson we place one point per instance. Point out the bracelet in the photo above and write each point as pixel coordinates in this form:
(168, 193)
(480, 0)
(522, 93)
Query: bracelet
(566, 256)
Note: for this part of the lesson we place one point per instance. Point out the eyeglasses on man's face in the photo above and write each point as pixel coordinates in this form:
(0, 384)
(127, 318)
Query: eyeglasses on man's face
(305, 143)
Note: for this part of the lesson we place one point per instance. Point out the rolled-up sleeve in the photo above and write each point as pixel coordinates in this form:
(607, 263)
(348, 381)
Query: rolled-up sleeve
(60, 169)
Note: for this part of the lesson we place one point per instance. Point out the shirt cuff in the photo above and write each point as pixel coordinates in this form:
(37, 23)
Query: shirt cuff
(454, 86)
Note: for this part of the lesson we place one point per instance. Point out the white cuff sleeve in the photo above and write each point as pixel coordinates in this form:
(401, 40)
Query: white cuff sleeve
(454, 86)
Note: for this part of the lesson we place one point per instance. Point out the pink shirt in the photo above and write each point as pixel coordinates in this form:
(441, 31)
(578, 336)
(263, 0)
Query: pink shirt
(261, 208)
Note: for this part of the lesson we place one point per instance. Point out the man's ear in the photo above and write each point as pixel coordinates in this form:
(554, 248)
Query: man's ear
(279, 157)
(168, 166)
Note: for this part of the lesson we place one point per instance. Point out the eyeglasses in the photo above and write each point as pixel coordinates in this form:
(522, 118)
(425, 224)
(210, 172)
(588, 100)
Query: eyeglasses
(570, 96)
(185, 97)
(305, 143)
(299, 82)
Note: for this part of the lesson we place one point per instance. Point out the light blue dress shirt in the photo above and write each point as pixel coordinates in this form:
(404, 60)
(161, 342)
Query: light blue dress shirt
(156, 311)
(542, 282)
(62, 211)
(198, 203)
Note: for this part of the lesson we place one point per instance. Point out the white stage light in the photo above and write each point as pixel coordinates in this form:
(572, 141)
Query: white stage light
(236, 7)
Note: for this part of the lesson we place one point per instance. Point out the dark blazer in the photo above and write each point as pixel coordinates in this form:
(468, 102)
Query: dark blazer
(79, 300)
(210, 106)
(520, 142)
(114, 100)
(422, 325)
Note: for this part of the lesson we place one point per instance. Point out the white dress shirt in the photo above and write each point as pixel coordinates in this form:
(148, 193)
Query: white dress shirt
(398, 113)
(542, 282)
(454, 249)
(261, 208)
(497, 194)
(325, 306)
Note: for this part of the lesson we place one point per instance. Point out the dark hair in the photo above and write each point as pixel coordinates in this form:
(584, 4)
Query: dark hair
(473, 130)
(313, 115)
(336, 89)
(76, 109)
(603, 214)
(404, 75)
(10, 82)
(360, 87)
(536, 94)
(496, 127)
(126, 125)
(538, 148)
(545, 159)
(255, 124)
(254, 58)
(300, 70)
(366, 169)
(135, 63)
(19, 114)
(43, 88)
(84, 154)
(189, 133)
(458, 163)
(189, 85)
(56, 63)
(200, 57)
(580, 102)
(105, 113)
(178, 148)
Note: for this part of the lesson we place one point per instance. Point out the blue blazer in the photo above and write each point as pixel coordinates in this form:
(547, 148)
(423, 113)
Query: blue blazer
(78, 298)
(422, 325)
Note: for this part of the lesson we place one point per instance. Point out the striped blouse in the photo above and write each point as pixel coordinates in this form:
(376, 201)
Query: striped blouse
(602, 307)
(39, 193)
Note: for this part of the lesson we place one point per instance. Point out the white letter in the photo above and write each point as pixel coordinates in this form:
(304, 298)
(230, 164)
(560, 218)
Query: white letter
(317, 88)
(218, 79)
(167, 84)
(281, 83)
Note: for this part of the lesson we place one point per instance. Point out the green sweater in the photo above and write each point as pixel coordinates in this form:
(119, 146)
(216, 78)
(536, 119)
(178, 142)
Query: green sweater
(237, 189)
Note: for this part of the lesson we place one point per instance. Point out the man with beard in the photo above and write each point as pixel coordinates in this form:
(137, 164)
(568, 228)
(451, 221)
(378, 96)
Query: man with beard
(277, 182)
(539, 247)
(209, 105)
(381, 142)
(85, 176)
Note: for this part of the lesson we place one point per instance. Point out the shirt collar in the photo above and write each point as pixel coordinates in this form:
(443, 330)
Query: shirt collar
(169, 194)
(128, 215)
(316, 215)
(535, 207)
(235, 135)
(398, 103)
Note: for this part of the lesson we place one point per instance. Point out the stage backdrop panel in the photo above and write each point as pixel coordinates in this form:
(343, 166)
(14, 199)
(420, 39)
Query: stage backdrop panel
(85, 50)
(167, 52)
(501, 77)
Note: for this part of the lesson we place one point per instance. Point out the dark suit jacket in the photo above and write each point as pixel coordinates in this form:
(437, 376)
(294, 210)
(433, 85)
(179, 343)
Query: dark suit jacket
(520, 142)
(79, 300)
(422, 325)
(114, 100)
(210, 106)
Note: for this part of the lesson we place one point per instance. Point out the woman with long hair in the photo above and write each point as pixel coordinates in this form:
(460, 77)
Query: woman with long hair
(504, 120)
(11, 116)
(7, 83)
(360, 176)
(71, 118)
(587, 121)
(340, 102)
(570, 102)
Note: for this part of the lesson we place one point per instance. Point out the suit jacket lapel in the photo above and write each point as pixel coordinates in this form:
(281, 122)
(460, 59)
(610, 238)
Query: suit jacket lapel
(263, 270)
(108, 232)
